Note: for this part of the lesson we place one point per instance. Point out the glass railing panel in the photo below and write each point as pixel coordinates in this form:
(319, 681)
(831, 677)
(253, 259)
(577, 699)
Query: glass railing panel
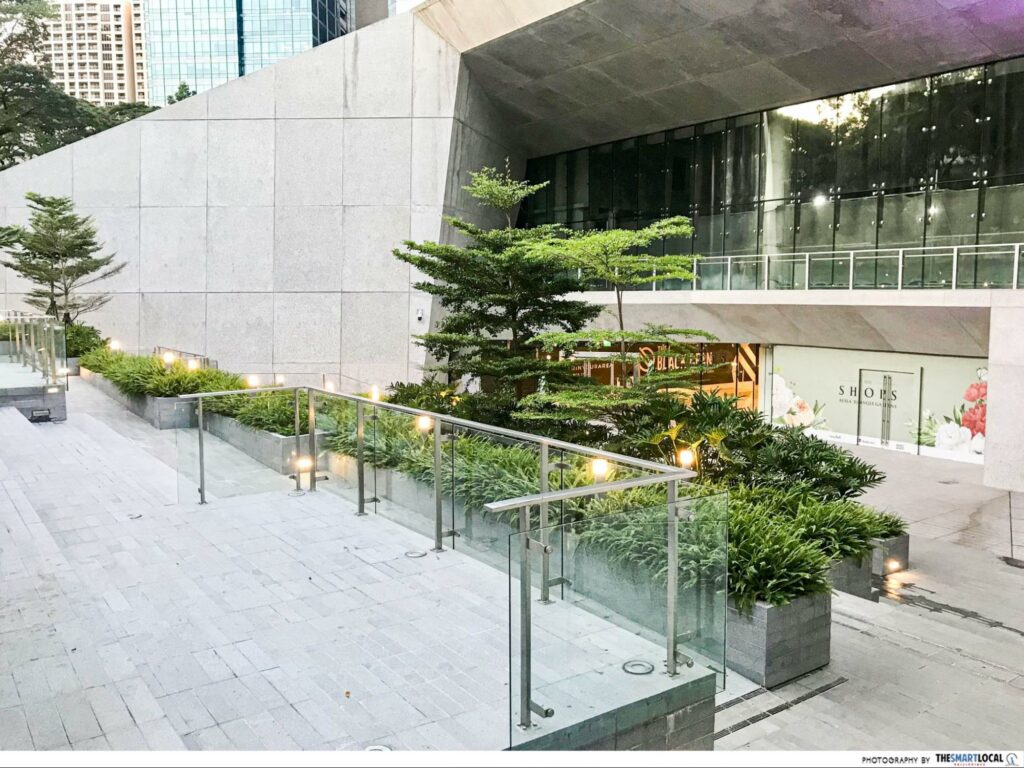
(32, 352)
(596, 653)
(711, 273)
(485, 468)
(786, 272)
(247, 444)
(829, 271)
(985, 266)
(342, 426)
(747, 273)
(876, 269)
(928, 268)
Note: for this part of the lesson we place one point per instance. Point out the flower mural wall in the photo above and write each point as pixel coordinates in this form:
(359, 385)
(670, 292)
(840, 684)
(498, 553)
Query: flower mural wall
(939, 407)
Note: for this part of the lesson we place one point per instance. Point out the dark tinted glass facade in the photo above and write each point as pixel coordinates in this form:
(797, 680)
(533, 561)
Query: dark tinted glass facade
(207, 42)
(937, 161)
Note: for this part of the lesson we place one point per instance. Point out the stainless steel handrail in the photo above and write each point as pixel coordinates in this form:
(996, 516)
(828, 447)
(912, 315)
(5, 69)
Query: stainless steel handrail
(587, 490)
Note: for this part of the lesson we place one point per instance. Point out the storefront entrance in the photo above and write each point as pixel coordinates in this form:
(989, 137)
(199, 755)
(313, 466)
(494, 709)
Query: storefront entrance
(888, 408)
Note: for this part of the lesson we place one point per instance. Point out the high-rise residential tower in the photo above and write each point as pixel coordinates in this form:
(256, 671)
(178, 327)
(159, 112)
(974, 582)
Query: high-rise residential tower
(207, 42)
(96, 50)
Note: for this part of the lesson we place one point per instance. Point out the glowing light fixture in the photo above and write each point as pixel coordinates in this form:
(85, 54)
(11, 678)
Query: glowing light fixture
(329, 386)
(424, 423)
(375, 393)
(279, 379)
(685, 458)
(892, 565)
(304, 463)
(252, 380)
(193, 364)
(819, 200)
(168, 358)
(599, 468)
(114, 345)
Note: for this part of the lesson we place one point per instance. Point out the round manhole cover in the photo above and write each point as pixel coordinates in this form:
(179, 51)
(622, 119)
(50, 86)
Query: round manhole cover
(637, 667)
(415, 553)
(378, 748)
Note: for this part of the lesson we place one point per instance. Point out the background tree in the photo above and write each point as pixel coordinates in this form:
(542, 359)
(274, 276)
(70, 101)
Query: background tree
(498, 292)
(59, 253)
(23, 23)
(122, 113)
(181, 94)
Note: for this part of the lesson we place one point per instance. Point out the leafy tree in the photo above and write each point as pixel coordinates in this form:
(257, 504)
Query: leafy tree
(499, 291)
(59, 253)
(24, 30)
(181, 94)
(122, 113)
(36, 116)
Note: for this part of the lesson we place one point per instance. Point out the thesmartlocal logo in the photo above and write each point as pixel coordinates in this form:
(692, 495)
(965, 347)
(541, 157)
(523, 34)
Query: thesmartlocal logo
(980, 759)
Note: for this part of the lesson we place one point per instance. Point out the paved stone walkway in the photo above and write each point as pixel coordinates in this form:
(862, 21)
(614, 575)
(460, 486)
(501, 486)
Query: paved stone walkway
(258, 622)
(127, 621)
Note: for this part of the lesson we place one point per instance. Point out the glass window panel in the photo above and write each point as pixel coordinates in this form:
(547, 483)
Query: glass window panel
(579, 181)
(559, 188)
(625, 180)
(958, 106)
(601, 174)
(741, 228)
(779, 148)
(744, 160)
(815, 155)
(815, 224)
(858, 133)
(778, 226)
(709, 231)
(1004, 118)
(653, 193)
(952, 217)
(1002, 214)
(857, 223)
(906, 135)
(710, 165)
(681, 156)
(902, 222)
(676, 246)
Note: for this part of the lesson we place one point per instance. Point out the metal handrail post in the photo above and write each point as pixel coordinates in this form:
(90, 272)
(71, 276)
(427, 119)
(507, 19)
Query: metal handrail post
(899, 270)
(298, 441)
(360, 459)
(767, 267)
(672, 581)
(438, 495)
(311, 418)
(1016, 266)
(853, 257)
(807, 271)
(525, 638)
(956, 267)
(32, 345)
(545, 533)
(202, 457)
(728, 273)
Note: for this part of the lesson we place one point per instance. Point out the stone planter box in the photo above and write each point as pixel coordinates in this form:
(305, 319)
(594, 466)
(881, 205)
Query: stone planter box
(271, 450)
(775, 644)
(74, 369)
(891, 555)
(160, 412)
(853, 576)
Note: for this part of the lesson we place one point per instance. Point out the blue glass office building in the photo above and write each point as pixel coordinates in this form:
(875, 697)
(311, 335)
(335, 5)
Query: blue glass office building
(207, 42)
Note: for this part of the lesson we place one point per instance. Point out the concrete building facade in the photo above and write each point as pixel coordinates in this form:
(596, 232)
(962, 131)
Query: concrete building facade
(258, 218)
(97, 50)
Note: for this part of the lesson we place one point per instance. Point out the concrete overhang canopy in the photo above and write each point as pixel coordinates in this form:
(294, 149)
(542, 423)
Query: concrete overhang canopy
(571, 73)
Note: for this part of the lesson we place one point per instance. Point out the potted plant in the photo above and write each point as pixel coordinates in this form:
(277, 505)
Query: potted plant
(80, 339)
(891, 545)
(780, 608)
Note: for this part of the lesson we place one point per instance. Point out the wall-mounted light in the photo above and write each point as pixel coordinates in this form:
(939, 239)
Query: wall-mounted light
(419, 315)
(329, 385)
(599, 468)
(193, 364)
(252, 380)
(168, 358)
(279, 379)
(114, 345)
(375, 393)
(424, 423)
(304, 464)
(892, 565)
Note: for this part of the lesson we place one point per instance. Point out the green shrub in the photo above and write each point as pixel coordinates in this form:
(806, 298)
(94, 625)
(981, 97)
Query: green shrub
(100, 359)
(272, 412)
(770, 561)
(133, 375)
(179, 380)
(890, 525)
(81, 339)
